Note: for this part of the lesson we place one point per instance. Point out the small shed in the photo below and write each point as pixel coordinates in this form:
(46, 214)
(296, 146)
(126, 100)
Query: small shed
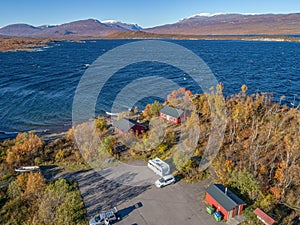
(224, 201)
(172, 115)
(263, 217)
(124, 125)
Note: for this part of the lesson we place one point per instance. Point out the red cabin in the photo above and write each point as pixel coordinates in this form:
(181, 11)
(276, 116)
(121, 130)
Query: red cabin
(172, 115)
(125, 125)
(224, 201)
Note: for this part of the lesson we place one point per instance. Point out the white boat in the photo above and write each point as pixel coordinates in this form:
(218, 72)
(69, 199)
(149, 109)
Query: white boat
(112, 114)
(24, 169)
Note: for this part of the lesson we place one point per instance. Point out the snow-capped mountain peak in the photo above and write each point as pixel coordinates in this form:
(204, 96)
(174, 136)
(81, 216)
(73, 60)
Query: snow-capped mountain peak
(126, 26)
(109, 21)
(205, 15)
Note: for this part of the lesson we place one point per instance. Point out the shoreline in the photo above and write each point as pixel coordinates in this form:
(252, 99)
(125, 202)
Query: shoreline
(13, 44)
(45, 135)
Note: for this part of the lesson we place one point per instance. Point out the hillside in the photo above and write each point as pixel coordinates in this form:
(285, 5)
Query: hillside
(80, 28)
(202, 24)
(19, 30)
(147, 35)
(229, 24)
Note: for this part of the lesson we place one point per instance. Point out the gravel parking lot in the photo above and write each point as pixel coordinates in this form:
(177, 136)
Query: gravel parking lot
(178, 203)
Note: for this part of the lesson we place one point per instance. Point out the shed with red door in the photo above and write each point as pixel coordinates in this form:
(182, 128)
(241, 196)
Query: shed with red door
(171, 114)
(224, 201)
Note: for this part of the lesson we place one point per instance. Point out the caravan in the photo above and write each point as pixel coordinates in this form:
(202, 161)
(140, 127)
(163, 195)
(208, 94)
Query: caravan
(159, 167)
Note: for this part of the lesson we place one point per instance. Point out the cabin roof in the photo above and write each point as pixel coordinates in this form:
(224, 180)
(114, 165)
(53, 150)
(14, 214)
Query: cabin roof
(125, 124)
(263, 216)
(226, 199)
(174, 112)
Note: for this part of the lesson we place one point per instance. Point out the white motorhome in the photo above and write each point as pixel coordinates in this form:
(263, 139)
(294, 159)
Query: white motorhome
(159, 167)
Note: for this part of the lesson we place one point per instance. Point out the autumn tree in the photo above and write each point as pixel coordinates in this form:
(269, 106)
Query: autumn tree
(35, 185)
(60, 204)
(27, 146)
(146, 112)
(24, 193)
(152, 110)
(107, 145)
(182, 161)
(87, 140)
(101, 123)
(245, 182)
(14, 190)
(179, 98)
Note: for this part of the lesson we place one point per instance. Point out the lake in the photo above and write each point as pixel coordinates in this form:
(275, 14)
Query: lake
(37, 87)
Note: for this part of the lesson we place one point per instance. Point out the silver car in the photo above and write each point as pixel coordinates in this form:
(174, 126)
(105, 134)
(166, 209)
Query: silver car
(165, 180)
(105, 218)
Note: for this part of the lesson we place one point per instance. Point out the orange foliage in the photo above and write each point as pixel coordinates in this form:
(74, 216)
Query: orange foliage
(146, 110)
(26, 148)
(181, 90)
(188, 93)
(263, 170)
(228, 162)
(276, 192)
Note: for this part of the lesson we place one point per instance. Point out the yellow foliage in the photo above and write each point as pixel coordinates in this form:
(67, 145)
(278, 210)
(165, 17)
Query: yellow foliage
(35, 184)
(70, 134)
(267, 202)
(22, 180)
(244, 88)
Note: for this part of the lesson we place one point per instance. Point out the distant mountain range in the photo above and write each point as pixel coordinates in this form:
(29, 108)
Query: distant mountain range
(233, 24)
(81, 28)
(201, 24)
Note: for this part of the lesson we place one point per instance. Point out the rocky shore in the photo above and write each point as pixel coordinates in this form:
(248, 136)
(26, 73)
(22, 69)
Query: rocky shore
(21, 44)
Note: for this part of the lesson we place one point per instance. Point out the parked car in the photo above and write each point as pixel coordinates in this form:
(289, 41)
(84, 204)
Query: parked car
(102, 218)
(165, 180)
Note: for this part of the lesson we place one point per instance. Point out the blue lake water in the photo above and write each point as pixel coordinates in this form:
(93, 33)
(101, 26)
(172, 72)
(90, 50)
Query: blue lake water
(37, 88)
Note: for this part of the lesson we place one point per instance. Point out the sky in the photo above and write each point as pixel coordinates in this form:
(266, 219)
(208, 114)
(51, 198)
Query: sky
(146, 13)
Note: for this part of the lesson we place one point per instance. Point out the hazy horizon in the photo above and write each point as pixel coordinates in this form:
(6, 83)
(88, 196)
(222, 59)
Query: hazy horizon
(112, 20)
